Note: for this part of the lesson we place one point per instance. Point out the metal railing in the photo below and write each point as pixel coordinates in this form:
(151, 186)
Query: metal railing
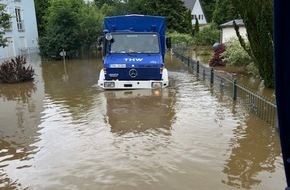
(253, 102)
(28, 50)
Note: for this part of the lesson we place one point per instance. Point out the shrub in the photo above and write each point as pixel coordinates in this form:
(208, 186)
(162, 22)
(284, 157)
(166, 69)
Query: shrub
(236, 56)
(177, 38)
(216, 60)
(207, 35)
(14, 71)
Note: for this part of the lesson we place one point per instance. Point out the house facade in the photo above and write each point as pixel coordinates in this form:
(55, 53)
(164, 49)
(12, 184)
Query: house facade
(228, 31)
(196, 11)
(22, 37)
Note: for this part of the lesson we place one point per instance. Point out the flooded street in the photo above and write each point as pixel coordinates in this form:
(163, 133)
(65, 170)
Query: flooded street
(62, 131)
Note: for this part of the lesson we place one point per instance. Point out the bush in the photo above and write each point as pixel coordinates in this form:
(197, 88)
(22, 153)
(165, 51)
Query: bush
(177, 38)
(236, 56)
(207, 36)
(14, 71)
(216, 60)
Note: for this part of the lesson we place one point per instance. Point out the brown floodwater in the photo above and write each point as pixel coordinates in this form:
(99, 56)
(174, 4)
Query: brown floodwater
(61, 131)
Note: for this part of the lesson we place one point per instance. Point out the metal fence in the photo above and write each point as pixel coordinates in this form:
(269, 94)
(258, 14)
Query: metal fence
(253, 102)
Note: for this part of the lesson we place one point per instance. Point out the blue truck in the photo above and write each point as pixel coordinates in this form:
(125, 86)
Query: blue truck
(133, 49)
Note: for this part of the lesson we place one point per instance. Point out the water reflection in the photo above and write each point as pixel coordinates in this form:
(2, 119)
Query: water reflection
(255, 150)
(139, 110)
(21, 105)
(20, 92)
(71, 85)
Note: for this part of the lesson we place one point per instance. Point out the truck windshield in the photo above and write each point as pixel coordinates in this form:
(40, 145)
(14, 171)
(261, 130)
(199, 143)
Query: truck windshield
(135, 43)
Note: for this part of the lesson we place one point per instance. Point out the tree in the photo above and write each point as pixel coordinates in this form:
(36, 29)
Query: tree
(258, 20)
(223, 12)
(196, 26)
(189, 23)
(41, 7)
(91, 25)
(173, 10)
(207, 35)
(70, 25)
(100, 3)
(208, 7)
(4, 24)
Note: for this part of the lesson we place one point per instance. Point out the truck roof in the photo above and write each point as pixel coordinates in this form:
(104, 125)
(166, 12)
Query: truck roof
(135, 23)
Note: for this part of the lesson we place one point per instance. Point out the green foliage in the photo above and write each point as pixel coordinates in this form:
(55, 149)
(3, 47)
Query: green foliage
(258, 19)
(107, 10)
(4, 24)
(41, 7)
(177, 18)
(196, 26)
(100, 3)
(188, 19)
(71, 25)
(236, 56)
(242, 41)
(91, 25)
(177, 38)
(207, 35)
(223, 12)
(174, 12)
(208, 8)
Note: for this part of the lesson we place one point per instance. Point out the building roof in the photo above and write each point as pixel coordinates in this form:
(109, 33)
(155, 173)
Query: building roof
(239, 22)
(189, 3)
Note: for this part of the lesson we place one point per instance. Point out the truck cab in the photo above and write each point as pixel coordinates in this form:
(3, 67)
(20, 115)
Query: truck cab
(133, 49)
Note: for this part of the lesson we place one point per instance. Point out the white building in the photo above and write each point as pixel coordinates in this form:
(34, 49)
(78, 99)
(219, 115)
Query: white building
(23, 35)
(228, 31)
(196, 11)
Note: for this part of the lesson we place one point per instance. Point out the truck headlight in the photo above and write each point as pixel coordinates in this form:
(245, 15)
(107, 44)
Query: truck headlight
(109, 36)
(155, 85)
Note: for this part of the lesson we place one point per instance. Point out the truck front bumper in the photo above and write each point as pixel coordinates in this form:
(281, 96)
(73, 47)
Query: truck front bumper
(133, 84)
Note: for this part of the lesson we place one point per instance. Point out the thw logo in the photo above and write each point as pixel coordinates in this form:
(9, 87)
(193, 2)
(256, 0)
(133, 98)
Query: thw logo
(133, 59)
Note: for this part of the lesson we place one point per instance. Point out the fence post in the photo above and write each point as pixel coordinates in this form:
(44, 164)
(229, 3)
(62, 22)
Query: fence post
(211, 75)
(188, 61)
(235, 90)
(197, 67)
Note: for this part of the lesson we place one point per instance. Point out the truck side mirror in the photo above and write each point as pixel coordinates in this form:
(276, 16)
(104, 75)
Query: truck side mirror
(100, 43)
(168, 43)
(99, 48)
(100, 40)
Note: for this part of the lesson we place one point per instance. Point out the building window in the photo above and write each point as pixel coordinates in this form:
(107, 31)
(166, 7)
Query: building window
(20, 23)
(17, 0)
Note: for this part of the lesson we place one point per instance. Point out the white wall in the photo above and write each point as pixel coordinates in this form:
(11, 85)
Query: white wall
(197, 10)
(229, 32)
(20, 40)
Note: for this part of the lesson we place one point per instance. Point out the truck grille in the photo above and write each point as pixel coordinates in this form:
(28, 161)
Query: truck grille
(133, 74)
